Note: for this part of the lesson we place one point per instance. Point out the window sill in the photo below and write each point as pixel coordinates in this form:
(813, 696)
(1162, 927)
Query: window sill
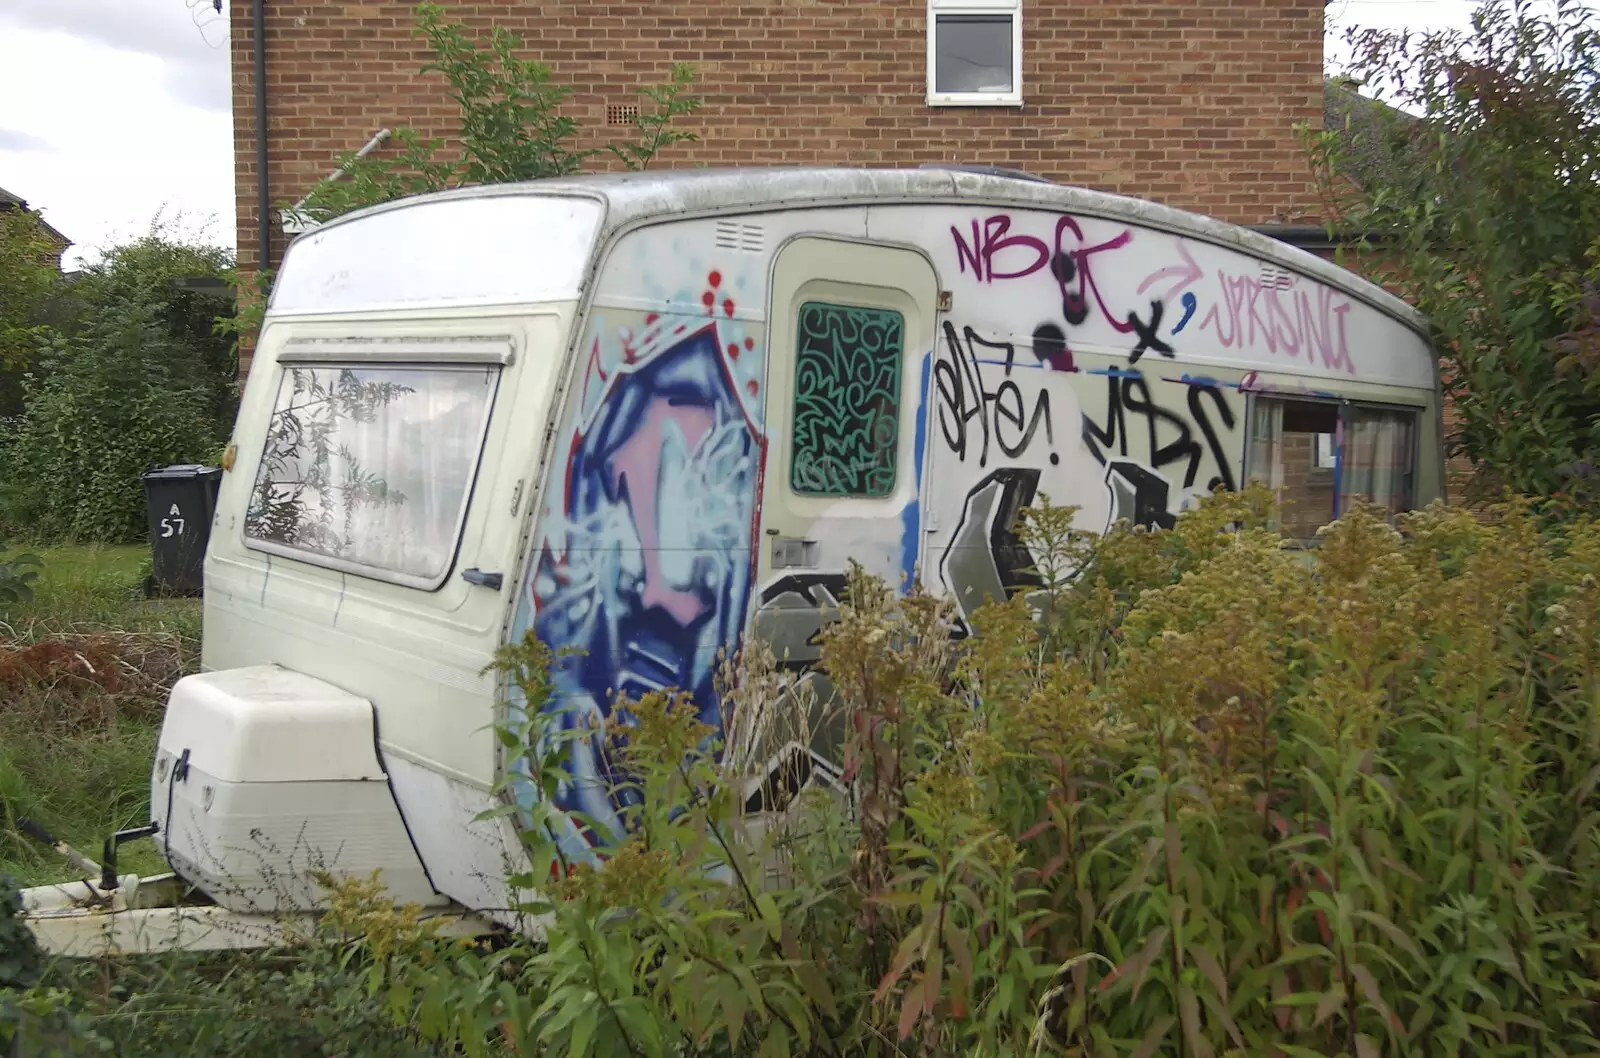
(974, 101)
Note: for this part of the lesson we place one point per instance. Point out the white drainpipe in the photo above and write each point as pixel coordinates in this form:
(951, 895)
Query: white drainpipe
(294, 222)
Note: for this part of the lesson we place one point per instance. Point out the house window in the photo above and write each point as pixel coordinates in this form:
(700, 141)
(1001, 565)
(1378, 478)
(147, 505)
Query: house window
(846, 433)
(1321, 458)
(974, 52)
(368, 469)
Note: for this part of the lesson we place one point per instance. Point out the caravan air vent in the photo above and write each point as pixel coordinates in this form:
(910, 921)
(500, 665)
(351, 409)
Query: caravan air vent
(732, 235)
(1275, 278)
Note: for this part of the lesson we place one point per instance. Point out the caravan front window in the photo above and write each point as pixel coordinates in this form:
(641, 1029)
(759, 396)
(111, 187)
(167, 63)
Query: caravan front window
(368, 468)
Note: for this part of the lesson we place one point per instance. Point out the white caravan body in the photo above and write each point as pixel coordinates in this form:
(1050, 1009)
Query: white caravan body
(651, 415)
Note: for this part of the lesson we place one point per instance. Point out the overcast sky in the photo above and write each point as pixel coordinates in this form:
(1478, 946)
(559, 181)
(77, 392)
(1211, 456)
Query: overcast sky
(115, 111)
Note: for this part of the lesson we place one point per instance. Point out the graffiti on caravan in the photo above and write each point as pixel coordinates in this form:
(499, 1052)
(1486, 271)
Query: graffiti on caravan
(646, 560)
(971, 414)
(986, 561)
(993, 253)
(1133, 413)
(1282, 313)
(1272, 309)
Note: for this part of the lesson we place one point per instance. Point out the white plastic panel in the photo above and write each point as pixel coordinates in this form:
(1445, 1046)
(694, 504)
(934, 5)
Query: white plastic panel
(267, 724)
(255, 846)
(469, 858)
(499, 250)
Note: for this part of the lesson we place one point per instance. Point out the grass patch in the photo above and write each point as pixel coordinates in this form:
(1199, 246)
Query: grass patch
(85, 667)
(98, 586)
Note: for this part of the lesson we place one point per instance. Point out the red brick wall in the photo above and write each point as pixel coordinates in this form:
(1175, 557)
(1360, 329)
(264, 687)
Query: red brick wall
(1189, 102)
(1307, 492)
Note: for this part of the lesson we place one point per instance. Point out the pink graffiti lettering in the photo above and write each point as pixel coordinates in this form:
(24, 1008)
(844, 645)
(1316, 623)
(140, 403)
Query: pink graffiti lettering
(990, 241)
(1183, 275)
(1075, 265)
(1282, 317)
(994, 253)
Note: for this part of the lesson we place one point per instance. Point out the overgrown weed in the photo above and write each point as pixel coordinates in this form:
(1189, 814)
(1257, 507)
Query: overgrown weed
(85, 667)
(1193, 793)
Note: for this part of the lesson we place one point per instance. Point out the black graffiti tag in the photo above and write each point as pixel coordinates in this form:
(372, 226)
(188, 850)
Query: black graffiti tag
(1128, 395)
(1149, 338)
(966, 406)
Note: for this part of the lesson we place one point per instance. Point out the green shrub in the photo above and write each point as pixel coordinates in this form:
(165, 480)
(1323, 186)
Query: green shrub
(1480, 194)
(17, 575)
(510, 128)
(133, 376)
(1224, 797)
(108, 407)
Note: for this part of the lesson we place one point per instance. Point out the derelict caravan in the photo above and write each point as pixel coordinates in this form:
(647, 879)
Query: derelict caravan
(650, 416)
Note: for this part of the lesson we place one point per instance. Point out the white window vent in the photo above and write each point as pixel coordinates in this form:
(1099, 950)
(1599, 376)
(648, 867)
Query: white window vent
(746, 238)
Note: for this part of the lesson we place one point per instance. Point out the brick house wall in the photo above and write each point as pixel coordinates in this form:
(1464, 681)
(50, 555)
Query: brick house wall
(1190, 103)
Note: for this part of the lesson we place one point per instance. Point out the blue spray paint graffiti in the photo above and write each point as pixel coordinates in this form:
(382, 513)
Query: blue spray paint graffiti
(911, 517)
(647, 563)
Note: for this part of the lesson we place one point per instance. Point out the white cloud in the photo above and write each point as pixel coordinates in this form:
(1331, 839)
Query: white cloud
(112, 116)
(12, 140)
(182, 34)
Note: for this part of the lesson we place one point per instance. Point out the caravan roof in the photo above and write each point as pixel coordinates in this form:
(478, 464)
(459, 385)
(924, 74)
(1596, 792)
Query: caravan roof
(629, 199)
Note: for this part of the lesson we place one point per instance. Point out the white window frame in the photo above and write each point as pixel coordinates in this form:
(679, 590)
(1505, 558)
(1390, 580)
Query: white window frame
(1012, 8)
(1327, 451)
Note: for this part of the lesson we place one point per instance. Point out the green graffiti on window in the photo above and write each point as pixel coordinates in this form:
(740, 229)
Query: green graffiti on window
(846, 400)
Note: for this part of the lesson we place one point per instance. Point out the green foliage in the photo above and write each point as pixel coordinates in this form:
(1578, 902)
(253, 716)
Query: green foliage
(29, 278)
(653, 124)
(511, 125)
(309, 999)
(35, 1018)
(138, 380)
(1482, 195)
(510, 128)
(20, 958)
(1196, 795)
(17, 575)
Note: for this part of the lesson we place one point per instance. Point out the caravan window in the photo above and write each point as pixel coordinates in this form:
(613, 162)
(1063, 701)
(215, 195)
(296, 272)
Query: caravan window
(846, 401)
(1321, 457)
(368, 468)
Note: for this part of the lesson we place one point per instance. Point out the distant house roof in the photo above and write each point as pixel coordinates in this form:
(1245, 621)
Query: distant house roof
(9, 202)
(1364, 124)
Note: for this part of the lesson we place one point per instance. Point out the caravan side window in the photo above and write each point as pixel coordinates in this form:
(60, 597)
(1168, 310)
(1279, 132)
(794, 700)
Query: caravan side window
(369, 468)
(846, 432)
(1321, 457)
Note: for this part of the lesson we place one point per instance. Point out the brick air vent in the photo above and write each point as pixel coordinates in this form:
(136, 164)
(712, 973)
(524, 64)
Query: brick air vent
(731, 235)
(624, 114)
